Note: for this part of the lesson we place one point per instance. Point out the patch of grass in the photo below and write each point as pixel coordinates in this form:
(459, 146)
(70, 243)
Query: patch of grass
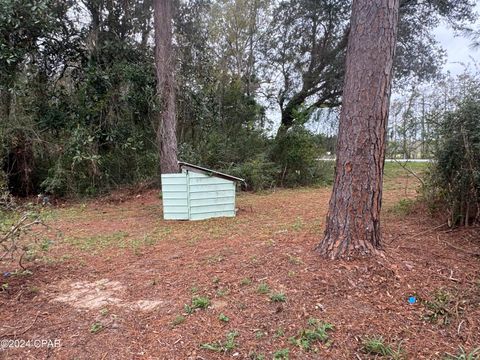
(104, 312)
(45, 244)
(298, 224)
(198, 302)
(278, 297)
(377, 345)
(316, 332)
(295, 260)
(226, 346)
(463, 354)
(216, 280)
(279, 333)
(263, 288)
(96, 327)
(393, 169)
(179, 319)
(222, 292)
(246, 282)
(403, 207)
(159, 233)
(224, 318)
(281, 354)
(100, 242)
(149, 240)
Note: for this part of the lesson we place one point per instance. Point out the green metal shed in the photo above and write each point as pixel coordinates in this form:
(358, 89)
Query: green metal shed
(198, 193)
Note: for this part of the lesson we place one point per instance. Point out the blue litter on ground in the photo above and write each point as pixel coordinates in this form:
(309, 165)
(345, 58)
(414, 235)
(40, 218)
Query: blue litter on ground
(412, 300)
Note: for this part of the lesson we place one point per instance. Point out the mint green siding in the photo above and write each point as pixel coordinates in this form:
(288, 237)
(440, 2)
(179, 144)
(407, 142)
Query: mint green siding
(194, 196)
(174, 196)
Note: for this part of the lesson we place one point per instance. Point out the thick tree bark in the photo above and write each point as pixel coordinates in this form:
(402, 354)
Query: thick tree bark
(353, 220)
(164, 59)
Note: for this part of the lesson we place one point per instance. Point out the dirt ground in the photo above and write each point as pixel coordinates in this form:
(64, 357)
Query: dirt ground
(115, 283)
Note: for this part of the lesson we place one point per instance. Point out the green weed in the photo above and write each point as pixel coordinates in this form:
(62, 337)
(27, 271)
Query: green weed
(281, 354)
(198, 302)
(219, 346)
(263, 288)
(298, 224)
(316, 332)
(376, 345)
(223, 317)
(278, 297)
(464, 355)
(96, 327)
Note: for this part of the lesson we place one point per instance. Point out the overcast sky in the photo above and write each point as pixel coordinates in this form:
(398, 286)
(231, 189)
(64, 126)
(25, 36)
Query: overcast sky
(458, 47)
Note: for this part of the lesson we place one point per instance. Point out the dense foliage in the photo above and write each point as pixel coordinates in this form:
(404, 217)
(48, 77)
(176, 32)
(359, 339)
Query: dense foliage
(454, 180)
(78, 90)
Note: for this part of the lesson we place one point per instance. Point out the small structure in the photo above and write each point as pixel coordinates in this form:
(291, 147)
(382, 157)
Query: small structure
(198, 193)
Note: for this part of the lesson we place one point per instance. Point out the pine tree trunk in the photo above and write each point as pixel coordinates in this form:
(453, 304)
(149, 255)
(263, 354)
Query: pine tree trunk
(353, 220)
(164, 59)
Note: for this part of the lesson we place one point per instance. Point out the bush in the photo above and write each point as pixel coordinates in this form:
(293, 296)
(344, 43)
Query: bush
(454, 180)
(259, 173)
(296, 154)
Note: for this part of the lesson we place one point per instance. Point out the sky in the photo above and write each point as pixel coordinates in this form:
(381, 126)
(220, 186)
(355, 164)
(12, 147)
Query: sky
(458, 48)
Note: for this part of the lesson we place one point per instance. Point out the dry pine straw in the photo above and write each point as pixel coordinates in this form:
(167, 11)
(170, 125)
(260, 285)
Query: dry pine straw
(119, 265)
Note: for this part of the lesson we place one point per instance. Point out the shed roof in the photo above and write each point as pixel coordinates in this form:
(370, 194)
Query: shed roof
(202, 170)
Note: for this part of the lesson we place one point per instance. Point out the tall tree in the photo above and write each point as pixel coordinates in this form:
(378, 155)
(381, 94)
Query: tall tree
(353, 220)
(307, 40)
(164, 60)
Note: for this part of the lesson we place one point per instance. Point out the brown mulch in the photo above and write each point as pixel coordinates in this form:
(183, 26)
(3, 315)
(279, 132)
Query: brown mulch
(113, 285)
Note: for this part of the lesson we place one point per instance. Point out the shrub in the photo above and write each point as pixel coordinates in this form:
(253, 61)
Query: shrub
(454, 180)
(259, 173)
(295, 152)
